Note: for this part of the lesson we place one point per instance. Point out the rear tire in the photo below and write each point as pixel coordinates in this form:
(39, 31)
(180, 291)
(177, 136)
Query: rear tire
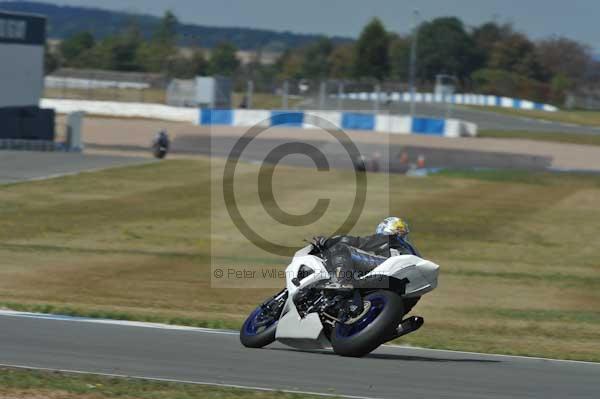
(356, 340)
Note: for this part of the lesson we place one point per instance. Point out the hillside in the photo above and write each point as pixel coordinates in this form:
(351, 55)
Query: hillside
(63, 21)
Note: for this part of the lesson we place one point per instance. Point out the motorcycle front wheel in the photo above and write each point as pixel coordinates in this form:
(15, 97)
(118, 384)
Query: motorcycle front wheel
(362, 336)
(260, 327)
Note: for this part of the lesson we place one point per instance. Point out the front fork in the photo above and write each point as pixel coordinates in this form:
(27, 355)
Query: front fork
(276, 303)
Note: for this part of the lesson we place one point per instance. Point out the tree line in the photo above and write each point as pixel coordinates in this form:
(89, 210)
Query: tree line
(128, 51)
(491, 58)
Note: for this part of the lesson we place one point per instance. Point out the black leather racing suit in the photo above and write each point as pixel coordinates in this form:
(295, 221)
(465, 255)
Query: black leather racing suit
(162, 140)
(351, 257)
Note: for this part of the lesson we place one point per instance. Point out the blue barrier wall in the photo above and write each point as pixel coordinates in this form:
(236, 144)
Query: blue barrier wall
(288, 118)
(347, 120)
(216, 117)
(434, 127)
(358, 121)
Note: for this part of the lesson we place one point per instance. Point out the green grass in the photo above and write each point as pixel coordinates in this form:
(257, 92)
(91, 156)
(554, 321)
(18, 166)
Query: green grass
(125, 95)
(568, 138)
(519, 251)
(265, 101)
(15, 383)
(552, 315)
(499, 175)
(579, 117)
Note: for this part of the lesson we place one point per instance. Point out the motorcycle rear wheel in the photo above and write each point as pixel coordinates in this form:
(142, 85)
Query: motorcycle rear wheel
(372, 329)
(160, 154)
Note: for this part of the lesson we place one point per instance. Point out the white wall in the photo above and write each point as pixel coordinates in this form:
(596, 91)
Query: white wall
(119, 109)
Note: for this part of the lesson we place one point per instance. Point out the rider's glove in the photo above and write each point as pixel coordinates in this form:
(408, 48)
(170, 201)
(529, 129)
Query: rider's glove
(319, 243)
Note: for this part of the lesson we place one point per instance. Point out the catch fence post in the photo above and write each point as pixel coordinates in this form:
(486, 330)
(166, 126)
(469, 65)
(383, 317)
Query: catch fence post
(377, 98)
(249, 94)
(284, 97)
(322, 93)
(340, 99)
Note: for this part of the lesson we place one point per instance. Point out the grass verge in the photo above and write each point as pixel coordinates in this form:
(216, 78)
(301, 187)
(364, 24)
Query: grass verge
(569, 138)
(141, 243)
(22, 383)
(579, 117)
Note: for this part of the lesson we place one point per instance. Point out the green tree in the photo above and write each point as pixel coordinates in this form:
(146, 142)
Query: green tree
(223, 60)
(566, 57)
(188, 67)
(510, 84)
(399, 57)
(154, 57)
(160, 55)
(487, 35)
(446, 47)
(74, 46)
(199, 63)
(316, 59)
(124, 49)
(372, 57)
(116, 52)
(341, 61)
(166, 33)
(51, 61)
(517, 54)
(289, 65)
(560, 85)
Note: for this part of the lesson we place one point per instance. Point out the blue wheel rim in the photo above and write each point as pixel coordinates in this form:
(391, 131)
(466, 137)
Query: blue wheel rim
(346, 331)
(255, 323)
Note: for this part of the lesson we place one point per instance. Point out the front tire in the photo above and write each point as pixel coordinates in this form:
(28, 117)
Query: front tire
(371, 330)
(260, 327)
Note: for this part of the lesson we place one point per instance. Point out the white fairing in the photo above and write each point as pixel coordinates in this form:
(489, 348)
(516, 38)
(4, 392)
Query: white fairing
(307, 333)
(421, 274)
(292, 330)
(315, 263)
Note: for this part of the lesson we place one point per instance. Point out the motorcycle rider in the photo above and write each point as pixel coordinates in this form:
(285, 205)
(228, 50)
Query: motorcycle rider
(162, 139)
(160, 144)
(352, 257)
(362, 254)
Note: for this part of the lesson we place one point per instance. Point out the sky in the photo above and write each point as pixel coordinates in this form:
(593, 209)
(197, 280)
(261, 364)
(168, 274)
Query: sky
(577, 19)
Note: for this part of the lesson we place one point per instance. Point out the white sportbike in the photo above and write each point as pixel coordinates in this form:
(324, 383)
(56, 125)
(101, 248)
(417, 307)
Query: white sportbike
(317, 310)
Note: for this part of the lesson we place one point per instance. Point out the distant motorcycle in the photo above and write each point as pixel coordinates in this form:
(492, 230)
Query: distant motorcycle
(160, 145)
(317, 311)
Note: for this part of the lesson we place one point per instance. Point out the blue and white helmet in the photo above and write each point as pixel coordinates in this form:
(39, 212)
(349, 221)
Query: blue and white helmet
(393, 226)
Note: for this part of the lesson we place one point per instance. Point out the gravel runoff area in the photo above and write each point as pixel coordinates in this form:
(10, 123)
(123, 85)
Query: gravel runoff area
(113, 133)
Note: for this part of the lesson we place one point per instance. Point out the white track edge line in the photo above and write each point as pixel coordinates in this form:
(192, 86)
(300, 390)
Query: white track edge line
(125, 323)
(204, 383)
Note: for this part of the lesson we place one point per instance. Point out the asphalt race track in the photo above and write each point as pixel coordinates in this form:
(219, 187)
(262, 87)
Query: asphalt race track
(17, 166)
(338, 158)
(216, 357)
